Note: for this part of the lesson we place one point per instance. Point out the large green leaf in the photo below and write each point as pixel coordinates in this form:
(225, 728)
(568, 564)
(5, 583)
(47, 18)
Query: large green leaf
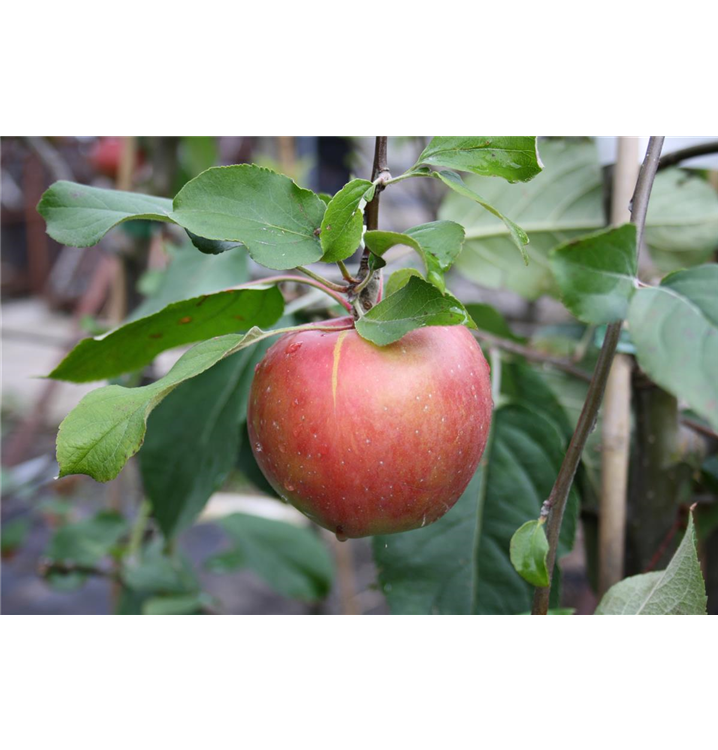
(682, 221)
(461, 564)
(342, 225)
(291, 559)
(415, 305)
(134, 345)
(677, 590)
(597, 274)
(674, 328)
(438, 244)
(515, 158)
(193, 439)
(563, 202)
(108, 426)
(80, 216)
(276, 220)
(566, 201)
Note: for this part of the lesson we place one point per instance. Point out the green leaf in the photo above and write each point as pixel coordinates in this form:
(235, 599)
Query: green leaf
(682, 221)
(291, 559)
(80, 216)
(677, 590)
(597, 274)
(517, 235)
(191, 274)
(342, 225)
(488, 318)
(674, 328)
(86, 542)
(461, 564)
(528, 551)
(212, 247)
(415, 305)
(515, 158)
(108, 426)
(276, 220)
(400, 279)
(437, 243)
(566, 201)
(193, 439)
(134, 345)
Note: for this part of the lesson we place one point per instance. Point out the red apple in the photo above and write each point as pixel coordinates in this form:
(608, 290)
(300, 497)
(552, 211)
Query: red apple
(366, 439)
(106, 155)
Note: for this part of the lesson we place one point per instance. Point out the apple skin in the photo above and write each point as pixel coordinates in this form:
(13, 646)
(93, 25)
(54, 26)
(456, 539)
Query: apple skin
(371, 440)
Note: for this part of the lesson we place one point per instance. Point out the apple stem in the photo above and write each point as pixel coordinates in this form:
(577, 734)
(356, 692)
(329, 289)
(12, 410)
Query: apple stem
(329, 284)
(555, 505)
(309, 282)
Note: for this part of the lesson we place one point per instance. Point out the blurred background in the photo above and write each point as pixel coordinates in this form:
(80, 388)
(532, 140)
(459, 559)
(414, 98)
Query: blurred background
(52, 296)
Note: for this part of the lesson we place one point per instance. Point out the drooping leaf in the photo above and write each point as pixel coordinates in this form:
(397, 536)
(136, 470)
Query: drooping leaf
(80, 215)
(291, 559)
(342, 225)
(597, 274)
(134, 345)
(86, 542)
(528, 552)
(515, 158)
(399, 279)
(674, 328)
(461, 564)
(415, 305)
(456, 183)
(563, 202)
(108, 426)
(438, 244)
(277, 221)
(677, 590)
(193, 439)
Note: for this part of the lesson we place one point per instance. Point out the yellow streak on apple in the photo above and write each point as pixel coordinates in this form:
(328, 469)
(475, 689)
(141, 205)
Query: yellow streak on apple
(335, 366)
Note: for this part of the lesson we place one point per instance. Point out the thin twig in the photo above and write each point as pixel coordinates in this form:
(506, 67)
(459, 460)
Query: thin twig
(700, 149)
(556, 502)
(321, 279)
(533, 354)
(300, 280)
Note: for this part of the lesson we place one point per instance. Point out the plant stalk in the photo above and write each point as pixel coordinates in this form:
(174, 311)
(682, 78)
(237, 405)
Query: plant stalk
(556, 502)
